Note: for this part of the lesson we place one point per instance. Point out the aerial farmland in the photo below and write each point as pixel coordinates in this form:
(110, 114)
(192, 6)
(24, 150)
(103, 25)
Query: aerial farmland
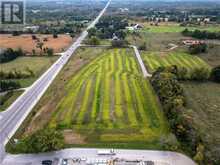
(104, 101)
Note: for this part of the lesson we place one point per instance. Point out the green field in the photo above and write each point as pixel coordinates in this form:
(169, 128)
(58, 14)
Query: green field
(175, 28)
(153, 60)
(37, 64)
(108, 100)
(203, 104)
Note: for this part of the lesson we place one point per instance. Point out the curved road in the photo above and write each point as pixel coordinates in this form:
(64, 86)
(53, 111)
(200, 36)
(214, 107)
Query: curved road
(13, 117)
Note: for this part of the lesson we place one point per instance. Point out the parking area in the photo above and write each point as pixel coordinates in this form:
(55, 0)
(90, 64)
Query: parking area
(99, 161)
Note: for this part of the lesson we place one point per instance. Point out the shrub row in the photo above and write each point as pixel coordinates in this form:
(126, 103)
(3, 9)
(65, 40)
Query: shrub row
(8, 85)
(17, 74)
(171, 95)
(201, 34)
(10, 54)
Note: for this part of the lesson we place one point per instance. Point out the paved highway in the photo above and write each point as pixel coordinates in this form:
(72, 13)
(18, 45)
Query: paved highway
(13, 117)
(161, 157)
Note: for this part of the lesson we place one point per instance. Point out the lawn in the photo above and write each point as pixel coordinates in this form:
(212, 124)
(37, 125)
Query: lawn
(154, 60)
(37, 64)
(7, 99)
(105, 102)
(203, 102)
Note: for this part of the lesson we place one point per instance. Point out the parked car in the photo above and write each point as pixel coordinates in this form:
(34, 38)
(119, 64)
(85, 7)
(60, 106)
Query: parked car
(47, 162)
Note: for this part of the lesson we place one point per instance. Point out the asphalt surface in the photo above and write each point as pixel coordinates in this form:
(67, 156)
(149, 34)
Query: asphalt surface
(13, 117)
(163, 157)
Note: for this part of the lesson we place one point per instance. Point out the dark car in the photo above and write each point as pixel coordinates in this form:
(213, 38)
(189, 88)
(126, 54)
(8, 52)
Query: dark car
(47, 162)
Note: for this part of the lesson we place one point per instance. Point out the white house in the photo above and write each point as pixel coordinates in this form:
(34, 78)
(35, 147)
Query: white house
(134, 27)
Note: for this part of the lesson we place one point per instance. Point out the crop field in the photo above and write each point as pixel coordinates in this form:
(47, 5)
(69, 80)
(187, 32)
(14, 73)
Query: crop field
(109, 101)
(154, 60)
(26, 43)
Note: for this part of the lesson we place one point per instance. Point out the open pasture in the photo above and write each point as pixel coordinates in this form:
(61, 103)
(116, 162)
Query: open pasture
(38, 64)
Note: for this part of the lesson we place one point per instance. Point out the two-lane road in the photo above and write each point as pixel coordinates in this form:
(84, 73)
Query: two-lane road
(19, 110)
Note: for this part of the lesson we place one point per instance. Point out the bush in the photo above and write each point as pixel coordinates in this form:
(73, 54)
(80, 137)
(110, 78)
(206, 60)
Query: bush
(34, 37)
(94, 41)
(8, 85)
(119, 43)
(92, 32)
(41, 141)
(199, 48)
(16, 33)
(55, 35)
(215, 74)
(200, 74)
(10, 54)
(49, 51)
(143, 46)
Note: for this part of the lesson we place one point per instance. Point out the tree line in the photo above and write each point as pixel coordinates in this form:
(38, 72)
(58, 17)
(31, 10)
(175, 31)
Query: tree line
(16, 74)
(6, 85)
(165, 82)
(10, 54)
(201, 34)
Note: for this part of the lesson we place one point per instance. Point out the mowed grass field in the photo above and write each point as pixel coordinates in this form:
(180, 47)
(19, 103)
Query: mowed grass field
(108, 100)
(154, 60)
(37, 64)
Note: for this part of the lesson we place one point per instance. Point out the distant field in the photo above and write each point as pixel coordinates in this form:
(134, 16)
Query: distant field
(37, 64)
(107, 102)
(156, 41)
(203, 102)
(175, 28)
(26, 42)
(154, 60)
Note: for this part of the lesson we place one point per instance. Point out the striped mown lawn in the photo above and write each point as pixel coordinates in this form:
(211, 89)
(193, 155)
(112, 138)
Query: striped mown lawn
(108, 101)
(154, 60)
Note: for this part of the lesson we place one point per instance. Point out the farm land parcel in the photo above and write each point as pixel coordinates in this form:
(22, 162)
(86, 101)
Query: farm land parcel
(154, 60)
(176, 28)
(104, 102)
(26, 43)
